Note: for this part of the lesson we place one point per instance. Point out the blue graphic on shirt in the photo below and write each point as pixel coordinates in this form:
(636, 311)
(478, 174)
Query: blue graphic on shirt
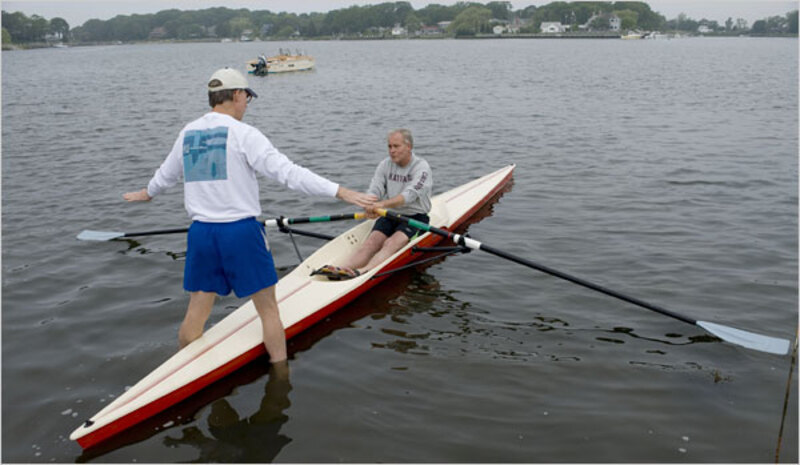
(204, 155)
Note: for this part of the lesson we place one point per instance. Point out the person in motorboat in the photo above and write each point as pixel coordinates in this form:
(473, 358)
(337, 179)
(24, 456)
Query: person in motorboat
(403, 182)
(218, 156)
(261, 66)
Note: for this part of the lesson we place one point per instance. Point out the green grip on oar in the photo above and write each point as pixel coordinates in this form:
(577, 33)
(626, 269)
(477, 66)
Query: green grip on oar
(418, 224)
(325, 218)
(410, 221)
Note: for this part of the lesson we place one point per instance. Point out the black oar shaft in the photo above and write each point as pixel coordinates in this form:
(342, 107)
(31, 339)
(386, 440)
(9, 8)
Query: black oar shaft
(300, 232)
(155, 233)
(289, 220)
(587, 284)
(88, 235)
(461, 240)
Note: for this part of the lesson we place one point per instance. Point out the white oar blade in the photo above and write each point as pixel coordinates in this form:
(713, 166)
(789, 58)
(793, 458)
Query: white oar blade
(772, 345)
(88, 235)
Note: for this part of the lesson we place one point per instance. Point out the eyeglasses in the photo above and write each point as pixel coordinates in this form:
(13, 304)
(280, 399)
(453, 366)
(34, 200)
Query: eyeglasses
(249, 95)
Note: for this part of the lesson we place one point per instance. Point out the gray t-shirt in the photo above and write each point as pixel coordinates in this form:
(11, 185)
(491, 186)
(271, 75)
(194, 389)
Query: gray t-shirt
(414, 181)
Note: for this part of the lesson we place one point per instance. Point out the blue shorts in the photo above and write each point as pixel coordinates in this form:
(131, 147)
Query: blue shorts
(225, 256)
(389, 226)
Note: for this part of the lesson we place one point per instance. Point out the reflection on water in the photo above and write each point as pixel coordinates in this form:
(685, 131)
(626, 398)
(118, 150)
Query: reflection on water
(254, 438)
(516, 340)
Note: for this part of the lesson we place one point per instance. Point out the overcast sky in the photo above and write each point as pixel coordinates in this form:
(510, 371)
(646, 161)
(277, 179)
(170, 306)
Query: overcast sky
(77, 12)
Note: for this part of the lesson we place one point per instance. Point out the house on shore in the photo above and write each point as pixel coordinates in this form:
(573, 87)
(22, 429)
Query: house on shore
(430, 31)
(614, 22)
(552, 27)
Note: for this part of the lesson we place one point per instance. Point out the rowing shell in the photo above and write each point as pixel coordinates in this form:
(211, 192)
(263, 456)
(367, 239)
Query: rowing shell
(304, 300)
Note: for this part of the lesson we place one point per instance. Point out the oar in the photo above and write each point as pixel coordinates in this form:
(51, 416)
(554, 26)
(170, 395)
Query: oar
(89, 235)
(735, 336)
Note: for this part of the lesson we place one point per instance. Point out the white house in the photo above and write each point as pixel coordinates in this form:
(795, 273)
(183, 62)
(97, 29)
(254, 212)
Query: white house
(614, 22)
(499, 29)
(552, 27)
(703, 29)
(398, 30)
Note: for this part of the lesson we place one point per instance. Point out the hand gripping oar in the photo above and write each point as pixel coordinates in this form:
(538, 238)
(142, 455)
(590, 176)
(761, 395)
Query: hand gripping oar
(88, 235)
(735, 336)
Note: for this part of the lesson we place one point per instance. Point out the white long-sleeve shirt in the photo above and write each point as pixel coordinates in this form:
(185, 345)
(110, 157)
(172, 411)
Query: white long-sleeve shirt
(219, 158)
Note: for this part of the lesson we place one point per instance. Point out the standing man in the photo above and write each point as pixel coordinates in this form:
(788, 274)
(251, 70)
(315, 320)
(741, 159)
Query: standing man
(404, 183)
(218, 157)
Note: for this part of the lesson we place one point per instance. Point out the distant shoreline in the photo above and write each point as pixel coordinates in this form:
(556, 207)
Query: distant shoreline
(35, 46)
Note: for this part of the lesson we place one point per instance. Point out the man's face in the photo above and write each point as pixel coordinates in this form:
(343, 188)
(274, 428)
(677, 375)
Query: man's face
(399, 151)
(240, 101)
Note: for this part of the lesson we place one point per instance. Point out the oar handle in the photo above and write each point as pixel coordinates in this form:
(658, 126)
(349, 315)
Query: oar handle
(284, 222)
(417, 224)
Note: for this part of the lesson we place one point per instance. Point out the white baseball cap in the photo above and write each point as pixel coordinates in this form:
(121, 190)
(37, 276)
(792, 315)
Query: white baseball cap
(229, 78)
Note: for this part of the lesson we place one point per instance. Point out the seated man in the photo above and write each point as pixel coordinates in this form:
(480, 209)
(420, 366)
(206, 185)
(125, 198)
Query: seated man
(403, 182)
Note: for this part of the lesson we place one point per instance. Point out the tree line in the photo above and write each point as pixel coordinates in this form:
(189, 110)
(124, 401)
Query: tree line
(465, 18)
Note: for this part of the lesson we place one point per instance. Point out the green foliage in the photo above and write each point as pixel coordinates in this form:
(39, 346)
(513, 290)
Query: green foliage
(647, 19)
(23, 29)
(285, 31)
(6, 37)
(413, 23)
(791, 19)
(629, 19)
(59, 27)
(600, 23)
(240, 24)
(777, 24)
(682, 23)
(190, 31)
(500, 10)
(473, 20)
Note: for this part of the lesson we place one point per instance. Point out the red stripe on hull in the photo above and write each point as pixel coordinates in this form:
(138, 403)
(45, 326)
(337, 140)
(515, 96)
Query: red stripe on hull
(131, 419)
(112, 429)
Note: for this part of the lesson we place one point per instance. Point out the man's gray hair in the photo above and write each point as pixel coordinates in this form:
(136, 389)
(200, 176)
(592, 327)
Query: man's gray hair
(407, 137)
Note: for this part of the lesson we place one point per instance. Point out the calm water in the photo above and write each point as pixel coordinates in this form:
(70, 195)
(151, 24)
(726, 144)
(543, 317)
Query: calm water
(663, 169)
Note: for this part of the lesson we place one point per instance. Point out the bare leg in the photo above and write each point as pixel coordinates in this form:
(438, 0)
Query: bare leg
(390, 246)
(200, 305)
(367, 250)
(274, 336)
